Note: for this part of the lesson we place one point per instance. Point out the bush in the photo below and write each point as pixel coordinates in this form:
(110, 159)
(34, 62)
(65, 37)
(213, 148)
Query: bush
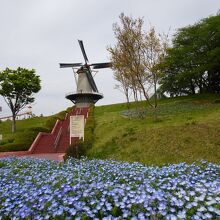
(11, 140)
(13, 147)
(39, 129)
(75, 150)
(8, 141)
(3, 142)
(50, 123)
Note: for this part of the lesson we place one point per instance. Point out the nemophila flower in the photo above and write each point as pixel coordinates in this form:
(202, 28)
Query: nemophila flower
(217, 212)
(208, 215)
(211, 201)
(113, 190)
(211, 209)
(202, 209)
(171, 217)
(162, 206)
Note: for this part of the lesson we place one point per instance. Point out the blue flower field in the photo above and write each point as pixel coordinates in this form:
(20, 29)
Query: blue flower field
(106, 189)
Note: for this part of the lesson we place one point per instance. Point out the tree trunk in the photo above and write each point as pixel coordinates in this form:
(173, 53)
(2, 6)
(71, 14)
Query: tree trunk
(192, 87)
(155, 95)
(155, 102)
(127, 98)
(13, 123)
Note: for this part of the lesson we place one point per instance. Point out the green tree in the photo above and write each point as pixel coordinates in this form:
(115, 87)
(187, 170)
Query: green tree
(17, 88)
(193, 63)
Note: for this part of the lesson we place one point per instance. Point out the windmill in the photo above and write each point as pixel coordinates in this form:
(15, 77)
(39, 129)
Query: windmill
(87, 92)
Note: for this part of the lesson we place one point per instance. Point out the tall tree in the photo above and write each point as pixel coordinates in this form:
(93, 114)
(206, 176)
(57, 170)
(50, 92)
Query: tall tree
(136, 55)
(17, 88)
(127, 51)
(193, 63)
(155, 47)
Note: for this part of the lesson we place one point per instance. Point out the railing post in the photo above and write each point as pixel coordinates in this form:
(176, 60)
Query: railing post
(57, 138)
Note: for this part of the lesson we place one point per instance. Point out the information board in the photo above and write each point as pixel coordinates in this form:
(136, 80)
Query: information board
(77, 126)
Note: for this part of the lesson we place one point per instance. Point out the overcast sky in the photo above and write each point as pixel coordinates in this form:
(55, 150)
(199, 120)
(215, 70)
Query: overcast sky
(40, 34)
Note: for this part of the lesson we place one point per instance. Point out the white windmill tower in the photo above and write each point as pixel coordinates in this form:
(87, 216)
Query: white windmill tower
(87, 92)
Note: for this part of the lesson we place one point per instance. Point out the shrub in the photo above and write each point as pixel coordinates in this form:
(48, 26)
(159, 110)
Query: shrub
(3, 142)
(39, 129)
(11, 140)
(50, 123)
(75, 150)
(13, 147)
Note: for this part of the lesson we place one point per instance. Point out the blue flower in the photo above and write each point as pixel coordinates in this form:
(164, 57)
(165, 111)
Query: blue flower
(46, 189)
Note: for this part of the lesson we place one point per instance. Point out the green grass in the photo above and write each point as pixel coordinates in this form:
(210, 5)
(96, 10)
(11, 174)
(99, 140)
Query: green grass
(26, 132)
(187, 129)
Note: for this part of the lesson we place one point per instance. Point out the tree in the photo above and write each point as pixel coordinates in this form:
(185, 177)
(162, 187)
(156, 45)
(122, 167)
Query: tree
(17, 88)
(123, 54)
(135, 56)
(155, 46)
(193, 63)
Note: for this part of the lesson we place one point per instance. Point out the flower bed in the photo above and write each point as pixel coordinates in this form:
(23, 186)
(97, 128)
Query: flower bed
(89, 189)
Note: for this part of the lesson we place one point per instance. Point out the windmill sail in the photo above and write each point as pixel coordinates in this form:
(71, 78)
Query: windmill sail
(91, 80)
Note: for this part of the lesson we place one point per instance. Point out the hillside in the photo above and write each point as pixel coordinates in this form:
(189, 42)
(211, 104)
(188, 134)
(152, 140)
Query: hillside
(27, 130)
(187, 129)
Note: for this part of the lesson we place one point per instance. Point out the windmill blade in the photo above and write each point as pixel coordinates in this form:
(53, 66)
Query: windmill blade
(91, 80)
(63, 65)
(83, 51)
(101, 65)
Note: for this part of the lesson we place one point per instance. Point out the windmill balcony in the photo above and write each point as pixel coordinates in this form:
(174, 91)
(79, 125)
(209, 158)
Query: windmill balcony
(84, 92)
(84, 98)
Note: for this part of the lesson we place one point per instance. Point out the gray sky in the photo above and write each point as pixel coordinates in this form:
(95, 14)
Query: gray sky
(40, 34)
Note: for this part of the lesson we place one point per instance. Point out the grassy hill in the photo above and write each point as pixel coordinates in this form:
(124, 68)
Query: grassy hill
(187, 129)
(26, 132)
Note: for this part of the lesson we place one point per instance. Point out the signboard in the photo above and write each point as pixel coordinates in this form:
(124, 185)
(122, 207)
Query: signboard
(77, 126)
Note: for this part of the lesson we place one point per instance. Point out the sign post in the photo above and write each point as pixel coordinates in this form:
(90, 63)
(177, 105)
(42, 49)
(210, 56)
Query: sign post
(77, 126)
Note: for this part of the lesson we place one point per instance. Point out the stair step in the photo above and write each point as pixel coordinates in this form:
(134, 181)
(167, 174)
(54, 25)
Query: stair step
(46, 143)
